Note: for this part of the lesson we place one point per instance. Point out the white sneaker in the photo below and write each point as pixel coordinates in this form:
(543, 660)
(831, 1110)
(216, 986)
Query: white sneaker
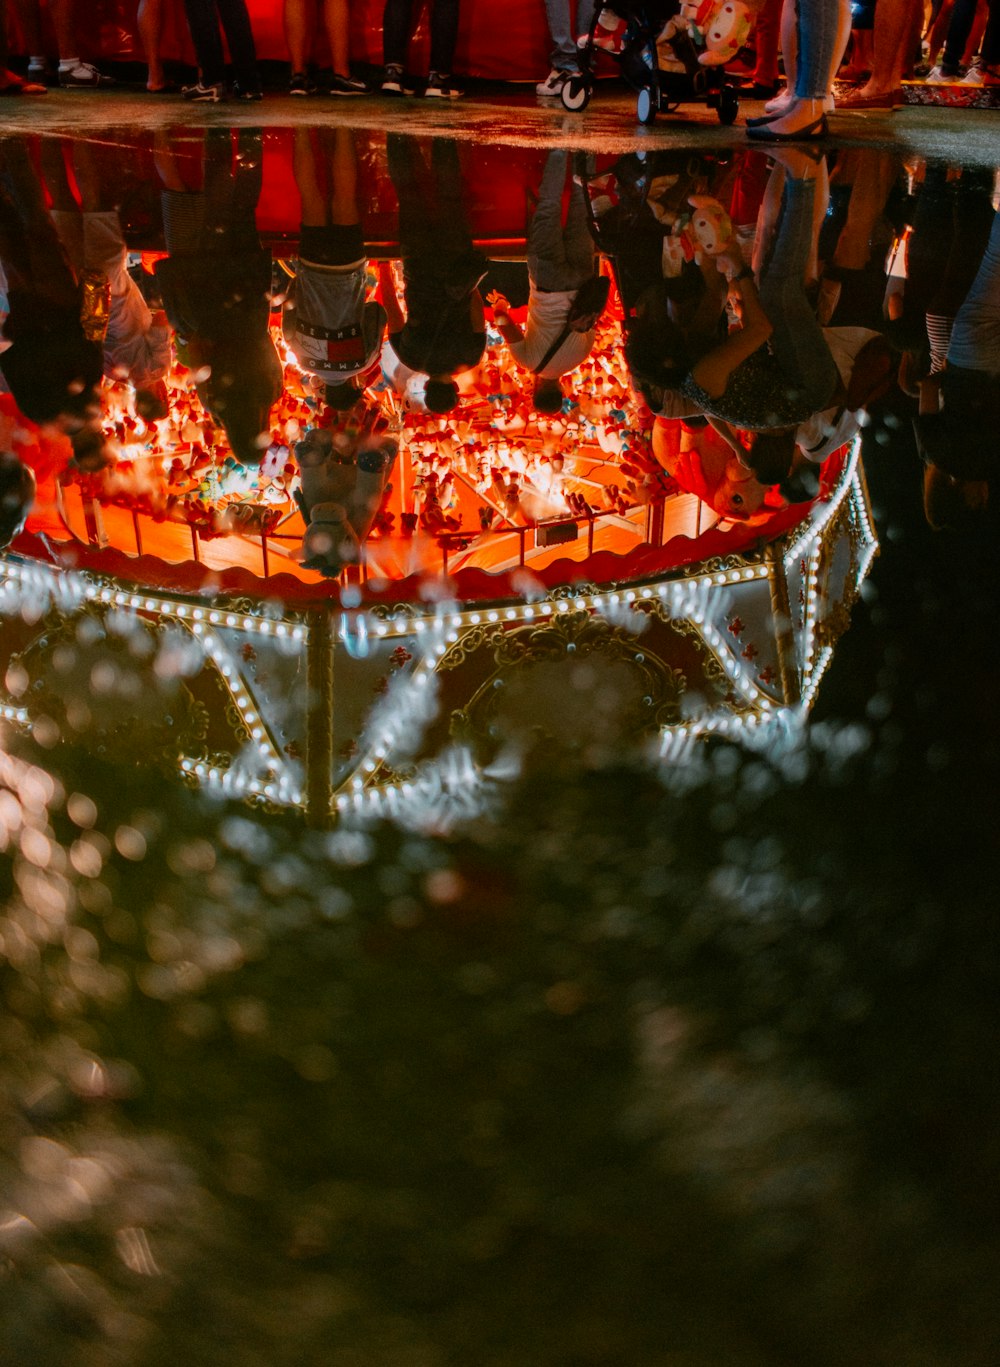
(938, 77)
(981, 75)
(553, 83)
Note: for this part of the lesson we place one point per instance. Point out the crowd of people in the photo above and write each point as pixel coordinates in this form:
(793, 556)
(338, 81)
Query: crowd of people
(762, 304)
(788, 52)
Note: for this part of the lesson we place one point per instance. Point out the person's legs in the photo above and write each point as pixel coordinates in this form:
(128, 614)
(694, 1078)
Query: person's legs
(149, 18)
(897, 24)
(564, 52)
(444, 35)
(821, 32)
(975, 338)
(298, 33)
(343, 209)
(242, 48)
(336, 16)
(305, 168)
(546, 249)
(765, 72)
(396, 32)
(204, 25)
(797, 340)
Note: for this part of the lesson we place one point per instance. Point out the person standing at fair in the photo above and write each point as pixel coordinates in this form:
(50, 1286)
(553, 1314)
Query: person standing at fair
(565, 61)
(207, 20)
(822, 28)
(73, 74)
(300, 32)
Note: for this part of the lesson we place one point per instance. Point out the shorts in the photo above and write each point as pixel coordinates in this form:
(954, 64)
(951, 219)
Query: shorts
(335, 245)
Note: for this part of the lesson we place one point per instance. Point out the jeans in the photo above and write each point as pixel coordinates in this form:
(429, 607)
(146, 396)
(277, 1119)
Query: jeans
(797, 340)
(564, 33)
(204, 18)
(559, 257)
(818, 23)
(396, 29)
(975, 338)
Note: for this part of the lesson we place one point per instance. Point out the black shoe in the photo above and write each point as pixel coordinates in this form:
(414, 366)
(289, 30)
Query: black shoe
(812, 132)
(248, 94)
(300, 84)
(347, 85)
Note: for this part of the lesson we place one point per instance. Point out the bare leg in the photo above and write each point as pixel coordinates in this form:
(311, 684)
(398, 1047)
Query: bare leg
(790, 53)
(337, 18)
(298, 32)
(895, 25)
(150, 23)
(305, 168)
(64, 21)
(343, 176)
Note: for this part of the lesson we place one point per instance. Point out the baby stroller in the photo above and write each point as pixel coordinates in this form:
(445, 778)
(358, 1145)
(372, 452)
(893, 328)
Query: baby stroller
(670, 51)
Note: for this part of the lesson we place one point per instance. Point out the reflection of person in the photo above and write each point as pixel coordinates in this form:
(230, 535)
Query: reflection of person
(343, 476)
(300, 24)
(51, 366)
(216, 286)
(136, 341)
(560, 259)
(332, 327)
(758, 388)
(960, 406)
(441, 333)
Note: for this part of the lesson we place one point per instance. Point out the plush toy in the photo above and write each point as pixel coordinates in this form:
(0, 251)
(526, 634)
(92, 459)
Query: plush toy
(715, 29)
(726, 33)
(707, 231)
(609, 31)
(710, 225)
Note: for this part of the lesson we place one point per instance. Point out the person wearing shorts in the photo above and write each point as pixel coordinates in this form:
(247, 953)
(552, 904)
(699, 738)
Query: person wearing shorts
(334, 330)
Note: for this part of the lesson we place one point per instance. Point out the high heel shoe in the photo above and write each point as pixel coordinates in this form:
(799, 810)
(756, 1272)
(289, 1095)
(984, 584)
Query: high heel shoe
(812, 132)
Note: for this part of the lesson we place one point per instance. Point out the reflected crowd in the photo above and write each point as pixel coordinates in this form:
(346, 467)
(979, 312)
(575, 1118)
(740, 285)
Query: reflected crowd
(448, 364)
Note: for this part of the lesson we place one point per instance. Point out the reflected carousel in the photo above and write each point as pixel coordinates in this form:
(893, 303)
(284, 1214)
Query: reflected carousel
(497, 572)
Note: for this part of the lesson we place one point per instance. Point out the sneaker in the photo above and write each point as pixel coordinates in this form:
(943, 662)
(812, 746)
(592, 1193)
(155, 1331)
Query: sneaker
(248, 95)
(553, 83)
(439, 87)
(204, 94)
(981, 75)
(392, 82)
(938, 76)
(300, 84)
(347, 85)
(83, 76)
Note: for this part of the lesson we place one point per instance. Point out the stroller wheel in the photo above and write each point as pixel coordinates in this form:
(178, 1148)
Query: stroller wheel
(728, 105)
(575, 93)
(646, 105)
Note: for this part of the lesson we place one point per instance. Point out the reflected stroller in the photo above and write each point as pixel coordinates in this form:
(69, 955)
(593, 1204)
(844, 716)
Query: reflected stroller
(657, 55)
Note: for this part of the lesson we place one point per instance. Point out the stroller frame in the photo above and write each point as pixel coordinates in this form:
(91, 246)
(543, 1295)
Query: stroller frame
(658, 91)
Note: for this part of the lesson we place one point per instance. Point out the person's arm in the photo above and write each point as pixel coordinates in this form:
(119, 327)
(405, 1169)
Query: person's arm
(506, 326)
(712, 372)
(390, 300)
